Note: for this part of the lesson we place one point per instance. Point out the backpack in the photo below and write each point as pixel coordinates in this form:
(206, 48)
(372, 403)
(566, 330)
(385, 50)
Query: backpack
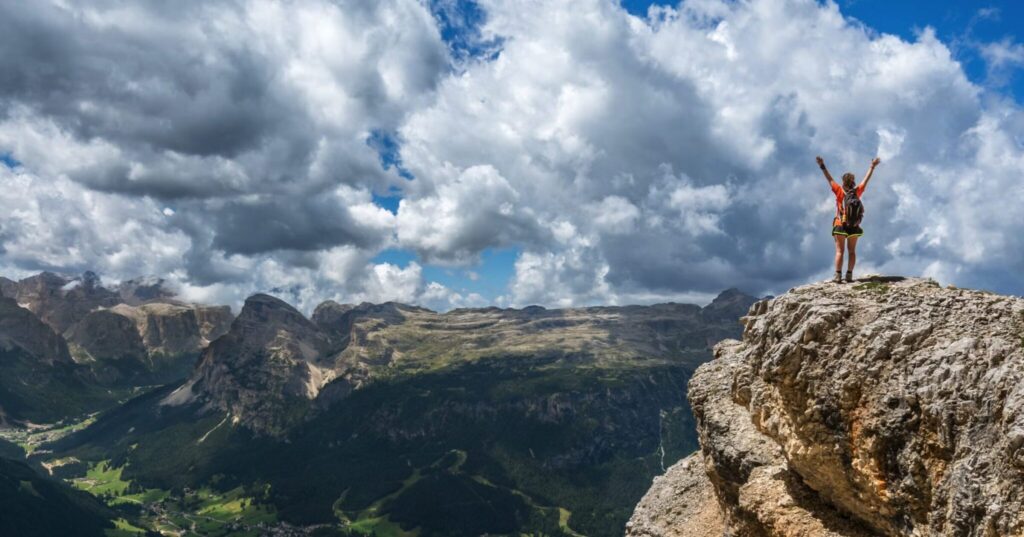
(853, 209)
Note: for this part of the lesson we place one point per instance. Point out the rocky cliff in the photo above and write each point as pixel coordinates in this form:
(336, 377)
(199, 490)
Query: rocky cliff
(266, 368)
(887, 407)
(58, 301)
(137, 334)
(92, 345)
(172, 328)
(39, 381)
(20, 329)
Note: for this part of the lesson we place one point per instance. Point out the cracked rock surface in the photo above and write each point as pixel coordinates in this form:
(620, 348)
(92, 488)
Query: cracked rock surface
(888, 407)
(680, 503)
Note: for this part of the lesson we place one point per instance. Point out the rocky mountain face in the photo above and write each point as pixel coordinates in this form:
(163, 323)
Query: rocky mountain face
(134, 336)
(167, 326)
(20, 329)
(889, 407)
(58, 301)
(269, 364)
(39, 381)
(170, 328)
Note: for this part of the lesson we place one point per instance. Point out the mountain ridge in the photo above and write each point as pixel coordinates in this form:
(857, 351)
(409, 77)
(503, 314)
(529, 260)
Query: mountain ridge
(271, 343)
(552, 420)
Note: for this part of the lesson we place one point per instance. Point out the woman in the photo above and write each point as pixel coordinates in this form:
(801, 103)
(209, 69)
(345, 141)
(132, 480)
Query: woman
(846, 227)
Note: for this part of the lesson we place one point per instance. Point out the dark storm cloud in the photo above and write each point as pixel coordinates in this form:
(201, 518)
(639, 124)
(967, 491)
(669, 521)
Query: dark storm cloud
(157, 85)
(246, 116)
(200, 101)
(288, 224)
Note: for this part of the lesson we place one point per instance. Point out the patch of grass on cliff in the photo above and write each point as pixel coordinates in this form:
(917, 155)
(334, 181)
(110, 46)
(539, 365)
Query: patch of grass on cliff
(872, 287)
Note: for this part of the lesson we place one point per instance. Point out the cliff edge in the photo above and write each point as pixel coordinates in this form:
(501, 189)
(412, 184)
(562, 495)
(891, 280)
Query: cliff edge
(890, 406)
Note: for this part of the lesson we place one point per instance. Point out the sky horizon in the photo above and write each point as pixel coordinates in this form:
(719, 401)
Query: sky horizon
(459, 153)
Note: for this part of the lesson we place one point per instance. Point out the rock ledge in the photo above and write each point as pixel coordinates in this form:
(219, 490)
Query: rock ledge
(888, 407)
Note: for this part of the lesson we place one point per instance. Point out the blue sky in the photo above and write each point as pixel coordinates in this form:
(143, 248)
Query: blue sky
(962, 25)
(7, 160)
(488, 279)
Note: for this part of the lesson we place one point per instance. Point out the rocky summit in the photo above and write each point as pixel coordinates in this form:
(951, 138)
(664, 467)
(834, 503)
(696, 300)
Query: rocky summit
(887, 407)
(267, 365)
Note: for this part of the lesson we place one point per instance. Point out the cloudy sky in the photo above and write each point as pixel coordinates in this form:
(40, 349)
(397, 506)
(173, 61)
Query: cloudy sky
(461, 153)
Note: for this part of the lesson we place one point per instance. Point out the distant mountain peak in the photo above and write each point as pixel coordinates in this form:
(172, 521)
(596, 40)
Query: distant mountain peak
(263, 308)
(270, 362)
(76, 332)
(729, 293)
(729, 304)
(263, 302)
(144, 289)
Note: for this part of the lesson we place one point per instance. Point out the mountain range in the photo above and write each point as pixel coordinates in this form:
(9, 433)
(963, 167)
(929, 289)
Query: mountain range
(70, 346)
(367, 419)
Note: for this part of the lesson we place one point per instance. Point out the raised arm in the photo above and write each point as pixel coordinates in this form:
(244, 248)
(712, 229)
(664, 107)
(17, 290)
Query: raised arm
(821, 164)
(871, 170)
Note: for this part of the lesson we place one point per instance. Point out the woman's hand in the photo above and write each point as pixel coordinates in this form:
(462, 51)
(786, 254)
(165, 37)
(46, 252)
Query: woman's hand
(821, 164)
(871, 170)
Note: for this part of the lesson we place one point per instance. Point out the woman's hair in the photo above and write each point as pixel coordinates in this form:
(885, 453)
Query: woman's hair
(849, 181)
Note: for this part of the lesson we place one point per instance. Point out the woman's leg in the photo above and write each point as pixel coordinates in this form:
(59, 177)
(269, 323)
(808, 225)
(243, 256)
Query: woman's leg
(851, 247)
(840, 243)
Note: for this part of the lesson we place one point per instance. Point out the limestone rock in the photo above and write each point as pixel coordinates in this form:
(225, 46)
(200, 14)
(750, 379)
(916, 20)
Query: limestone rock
(266, 369)
(274, 366)
(213, 321)
(58, 301)
(39, 380)
(135, 335)
(106, 335)
(680, 503)
(888, 407)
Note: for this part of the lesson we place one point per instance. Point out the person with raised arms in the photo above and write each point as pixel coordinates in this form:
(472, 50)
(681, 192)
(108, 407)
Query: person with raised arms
(846, 229)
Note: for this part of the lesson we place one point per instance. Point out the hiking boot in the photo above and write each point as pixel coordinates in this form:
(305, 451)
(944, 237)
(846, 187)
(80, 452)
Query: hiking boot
(838, 277)
(849, 276)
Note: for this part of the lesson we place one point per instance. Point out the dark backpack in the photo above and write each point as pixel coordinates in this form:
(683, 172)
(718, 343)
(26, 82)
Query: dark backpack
(853, 209)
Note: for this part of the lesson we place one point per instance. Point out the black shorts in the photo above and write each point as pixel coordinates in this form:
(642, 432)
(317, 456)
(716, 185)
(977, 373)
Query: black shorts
(847, 231)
